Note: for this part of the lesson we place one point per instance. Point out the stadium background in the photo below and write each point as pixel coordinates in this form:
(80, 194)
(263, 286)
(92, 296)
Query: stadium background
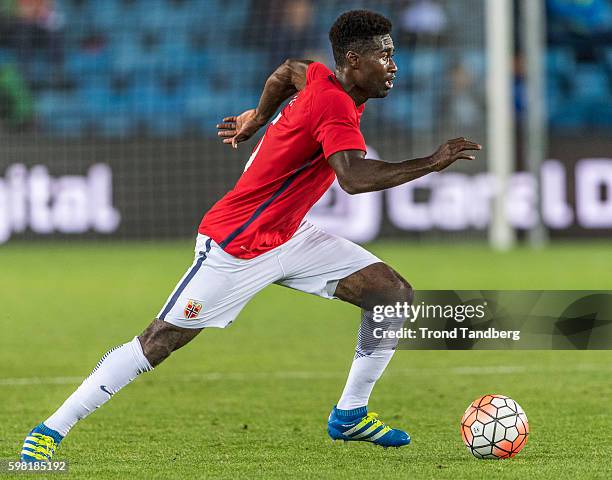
(108, 158)
(138, 86)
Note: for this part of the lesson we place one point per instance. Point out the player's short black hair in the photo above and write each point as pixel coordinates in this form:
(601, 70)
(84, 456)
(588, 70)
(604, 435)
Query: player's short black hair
(354, 30)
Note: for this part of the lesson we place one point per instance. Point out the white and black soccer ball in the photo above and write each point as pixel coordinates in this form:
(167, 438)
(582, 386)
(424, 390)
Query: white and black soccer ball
(495, 427)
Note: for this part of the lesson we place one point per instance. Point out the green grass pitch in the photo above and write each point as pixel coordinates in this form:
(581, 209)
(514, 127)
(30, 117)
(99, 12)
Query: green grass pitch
(251, 401)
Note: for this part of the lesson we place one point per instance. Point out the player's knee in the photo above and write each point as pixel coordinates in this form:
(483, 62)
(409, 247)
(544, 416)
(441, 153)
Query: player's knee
(156, 350)
(161, 338)
(402, 292)
(393, 290)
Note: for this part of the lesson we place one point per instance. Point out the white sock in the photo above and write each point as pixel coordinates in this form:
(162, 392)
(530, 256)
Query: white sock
(365, 371)
(371, 358)
(118, 367)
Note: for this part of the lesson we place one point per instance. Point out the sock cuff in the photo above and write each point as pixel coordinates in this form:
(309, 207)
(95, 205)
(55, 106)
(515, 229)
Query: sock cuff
(355, 412)
(55, 435)
(139, 356)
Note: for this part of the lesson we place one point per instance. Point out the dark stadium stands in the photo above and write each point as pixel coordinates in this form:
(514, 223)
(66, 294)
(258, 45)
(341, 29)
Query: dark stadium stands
(171, 67)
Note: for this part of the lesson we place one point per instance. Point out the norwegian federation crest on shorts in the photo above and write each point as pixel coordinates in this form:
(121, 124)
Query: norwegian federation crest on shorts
(192, 309)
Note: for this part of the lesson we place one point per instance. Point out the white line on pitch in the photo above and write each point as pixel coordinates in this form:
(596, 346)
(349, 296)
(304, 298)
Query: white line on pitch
(305, 375)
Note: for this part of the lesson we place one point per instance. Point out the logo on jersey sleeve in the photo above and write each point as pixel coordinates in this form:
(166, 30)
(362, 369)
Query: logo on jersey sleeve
(192, 309)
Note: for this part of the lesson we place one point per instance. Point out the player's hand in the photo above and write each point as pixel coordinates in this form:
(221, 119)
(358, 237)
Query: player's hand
(236, 129)
(453, 150)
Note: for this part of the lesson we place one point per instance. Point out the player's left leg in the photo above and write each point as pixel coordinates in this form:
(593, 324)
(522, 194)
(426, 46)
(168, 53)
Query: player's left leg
(332, 267)
(212, 293)
(117, 368)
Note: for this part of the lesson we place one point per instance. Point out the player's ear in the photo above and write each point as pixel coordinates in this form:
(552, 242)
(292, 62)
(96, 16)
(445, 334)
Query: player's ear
(352, 59)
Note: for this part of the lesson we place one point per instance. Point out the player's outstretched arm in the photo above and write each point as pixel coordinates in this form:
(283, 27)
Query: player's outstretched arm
(284, 82)
(357, 174)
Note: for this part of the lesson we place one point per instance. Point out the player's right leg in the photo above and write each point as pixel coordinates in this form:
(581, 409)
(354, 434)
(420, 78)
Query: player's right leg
(211, 294)
(376, 285)
(332, 267)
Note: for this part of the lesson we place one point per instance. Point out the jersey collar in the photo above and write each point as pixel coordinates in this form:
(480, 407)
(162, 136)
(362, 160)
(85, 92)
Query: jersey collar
(337, 83)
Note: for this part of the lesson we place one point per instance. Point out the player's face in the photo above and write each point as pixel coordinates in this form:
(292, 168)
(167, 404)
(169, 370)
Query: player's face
(378, 69)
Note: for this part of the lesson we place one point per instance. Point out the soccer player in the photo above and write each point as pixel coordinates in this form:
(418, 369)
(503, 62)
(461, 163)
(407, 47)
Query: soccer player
(256, 234)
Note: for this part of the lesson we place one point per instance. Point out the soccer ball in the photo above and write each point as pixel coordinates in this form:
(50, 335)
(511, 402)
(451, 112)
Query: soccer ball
(494, 426)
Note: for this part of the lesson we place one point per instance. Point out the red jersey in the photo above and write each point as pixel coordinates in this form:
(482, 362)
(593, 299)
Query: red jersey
(288, 171)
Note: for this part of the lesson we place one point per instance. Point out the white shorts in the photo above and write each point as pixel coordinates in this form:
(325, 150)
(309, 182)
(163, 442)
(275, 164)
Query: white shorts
(218, 285)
